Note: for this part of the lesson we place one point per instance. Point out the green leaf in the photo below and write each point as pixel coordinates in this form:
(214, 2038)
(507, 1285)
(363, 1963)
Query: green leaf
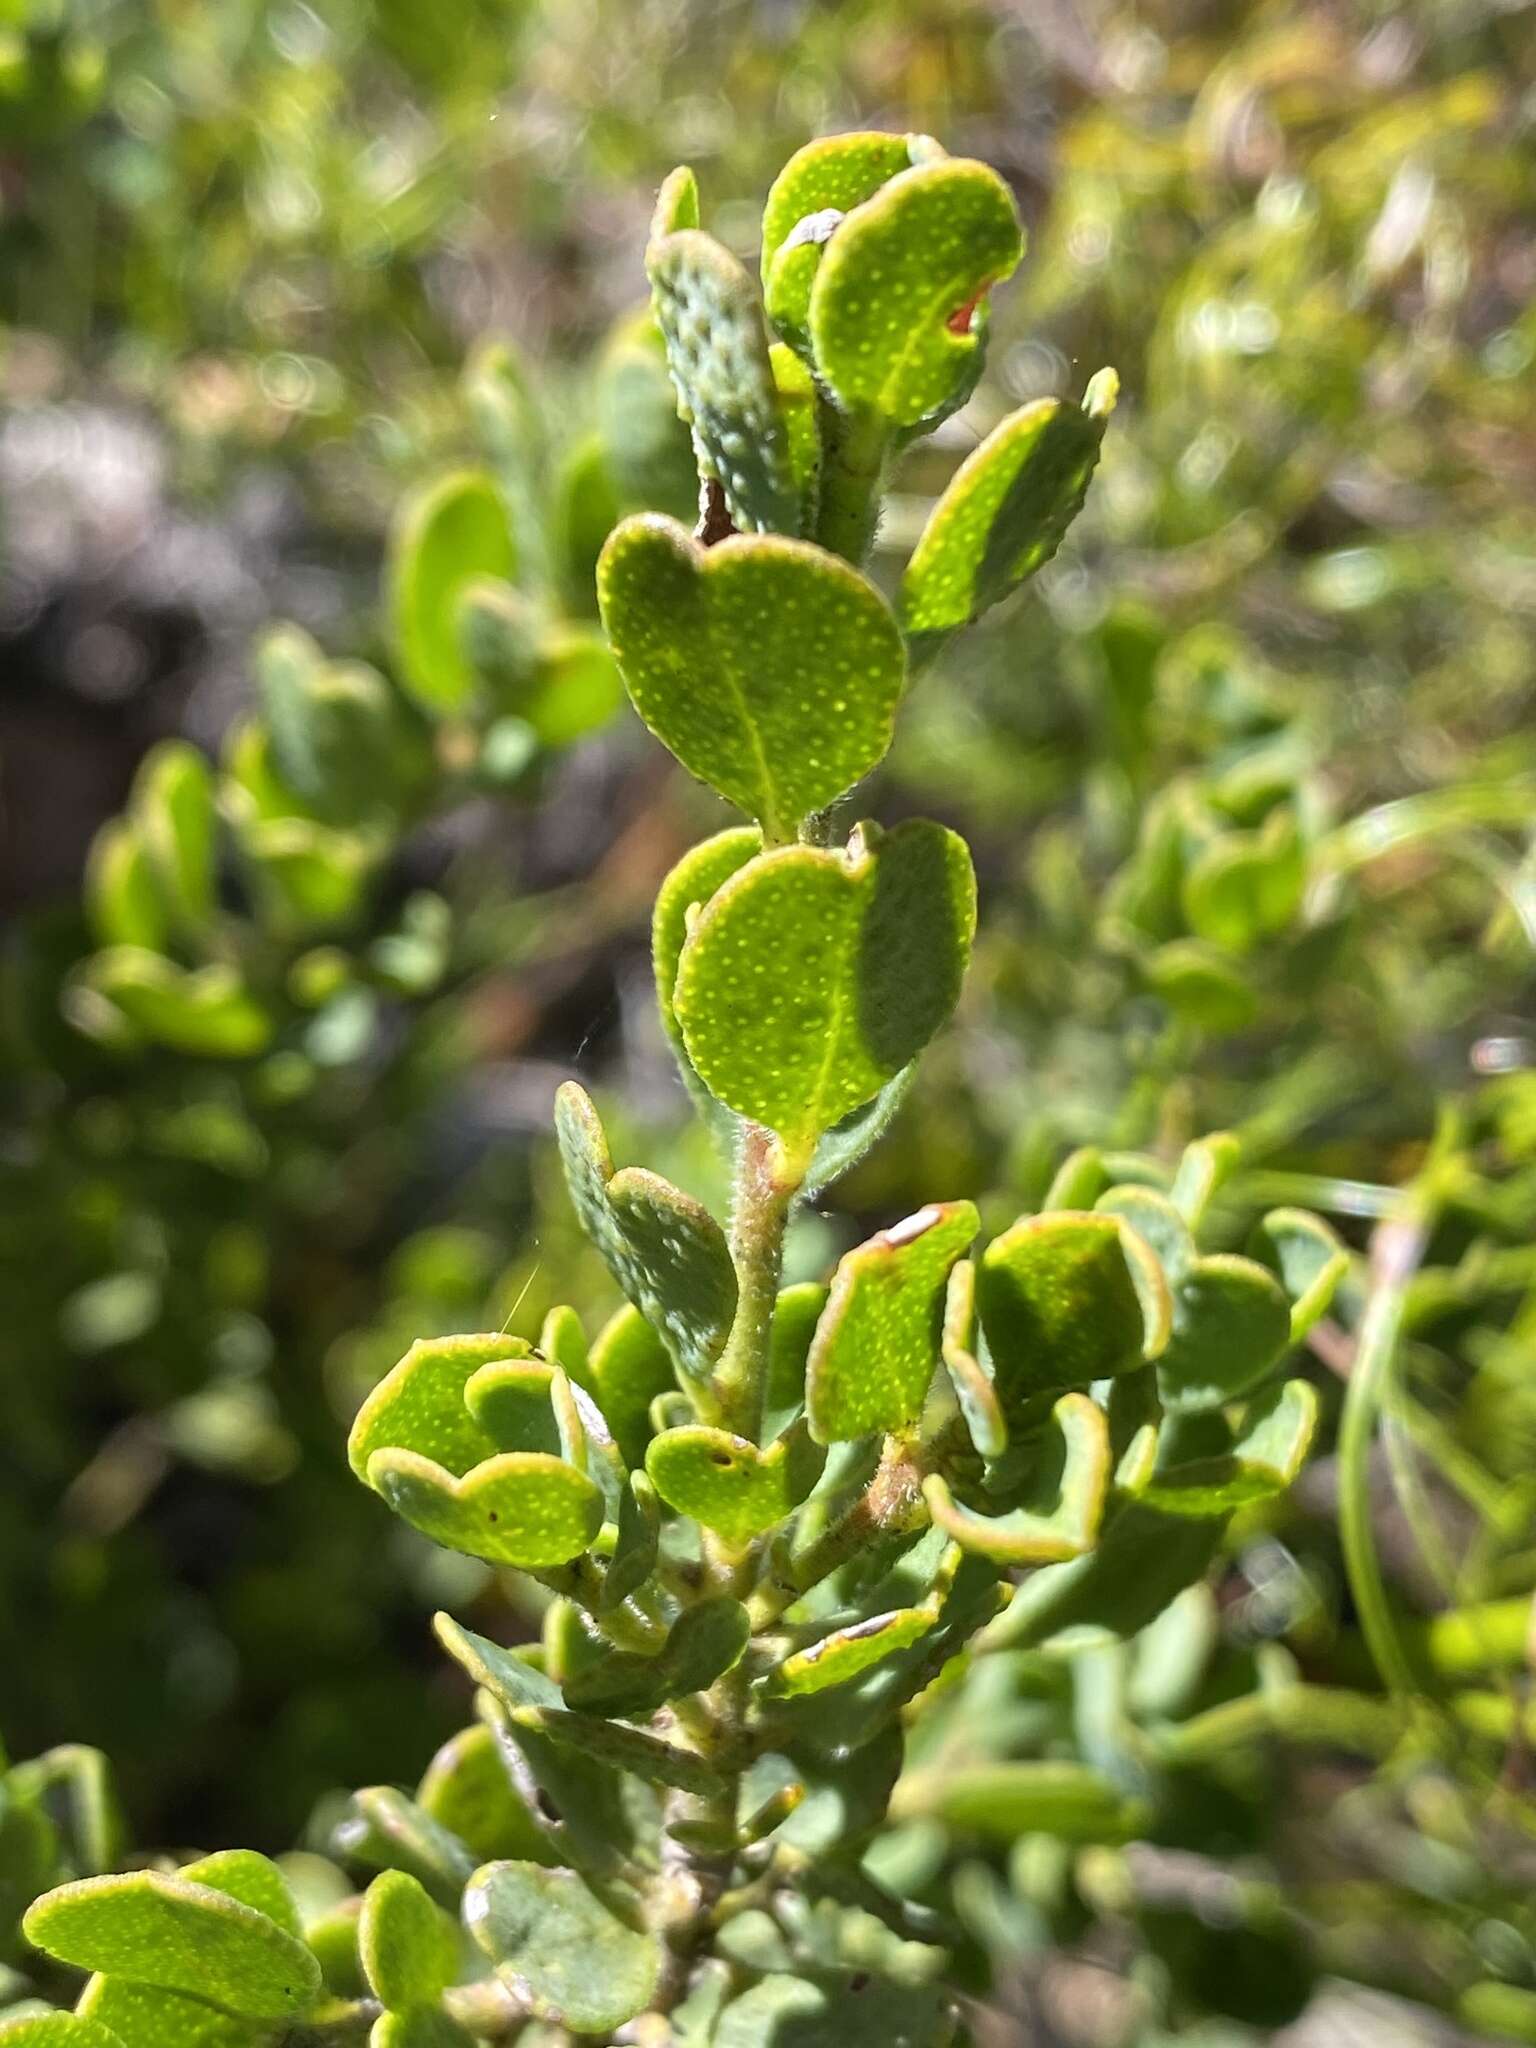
(205, 1012)
(387, 1831)
(664, 1249)
(729, 1485)
(813, 977)
(515, 1682)
(1202, 1169)
(1201, 985)
(1246, 886)
(1068, 1481)
(587, 1812)
(1267, 1452)
(705, 1641)
(422, 2027)
(771, 668)
(795, 1315)
(73, 1786)
(1002, 515)
(409, 1947)
(521, 1507)
(419, 1405)
(629, 1367)
(1308, 1260)
(858, 2010)
(625, 1749)
(446, 536)
(1231, 1322)
(717, 351)
(554, 1943)
(174, 810)
(836, 171)
(877, 1344)
(635, 1543)
(1155, 1221)
(141, 2016)
(180, 1936)
(1080, 1180)
(122, 891)
(1068, 1298)
(57, 2030)
(800, 404)
(1001, 1801)
(1142, 1560)
(252, 1879)
(846, 1653)
(841, 1149)
(977, 1396)
(466, 1790)
(899, 269)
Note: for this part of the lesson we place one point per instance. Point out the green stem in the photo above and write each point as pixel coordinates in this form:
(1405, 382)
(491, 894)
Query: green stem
(854, 451)
(759, 1216)
(1396, 1249)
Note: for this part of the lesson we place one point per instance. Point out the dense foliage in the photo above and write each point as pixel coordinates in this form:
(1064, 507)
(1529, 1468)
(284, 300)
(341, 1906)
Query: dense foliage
(1245, 777)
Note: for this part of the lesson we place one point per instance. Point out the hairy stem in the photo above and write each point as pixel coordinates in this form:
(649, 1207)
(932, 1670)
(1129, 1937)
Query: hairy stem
(759, 1216)
(854, 451)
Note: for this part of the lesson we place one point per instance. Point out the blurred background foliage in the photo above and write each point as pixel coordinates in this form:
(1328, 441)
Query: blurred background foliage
(329, 852)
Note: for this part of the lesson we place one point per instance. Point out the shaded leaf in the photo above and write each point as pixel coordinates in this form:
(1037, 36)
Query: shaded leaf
(446, 536)
(1065, 1494)
(664, 1249)
(1001, 1801)
(629, 1367)
(624, 1749)
(553, 1942)
(1231, 1322)
(466, 1790)
(1306, 1257)
(144, 2016)
(387, 1831)
(1267, 1452)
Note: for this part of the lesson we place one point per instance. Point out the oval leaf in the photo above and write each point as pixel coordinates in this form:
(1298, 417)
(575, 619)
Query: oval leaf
(557, 1945)
(1231, 1322)
(520, 1507)
(409, 1946)
(446, 537)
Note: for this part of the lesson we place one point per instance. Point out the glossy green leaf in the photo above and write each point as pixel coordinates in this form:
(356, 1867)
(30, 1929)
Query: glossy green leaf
(205, 1012)
(1307, 1259)
(1004, 512)
(877, 1344)
(180, 1936)
(629, 1367)
(771, 668)
(143, 2016)
(447, 535)
(520, 1507)
(557, 1945)
(813, 977)
(1070, 1801)
(625, 1749)
(419, 1405)
(1267, 1452)
(409, 1947)
(1231, 1322)
(729, 1485)
(1068, 1482)
(1068, 1298)
(664, 1249)
(899, 270)
(717, 351)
